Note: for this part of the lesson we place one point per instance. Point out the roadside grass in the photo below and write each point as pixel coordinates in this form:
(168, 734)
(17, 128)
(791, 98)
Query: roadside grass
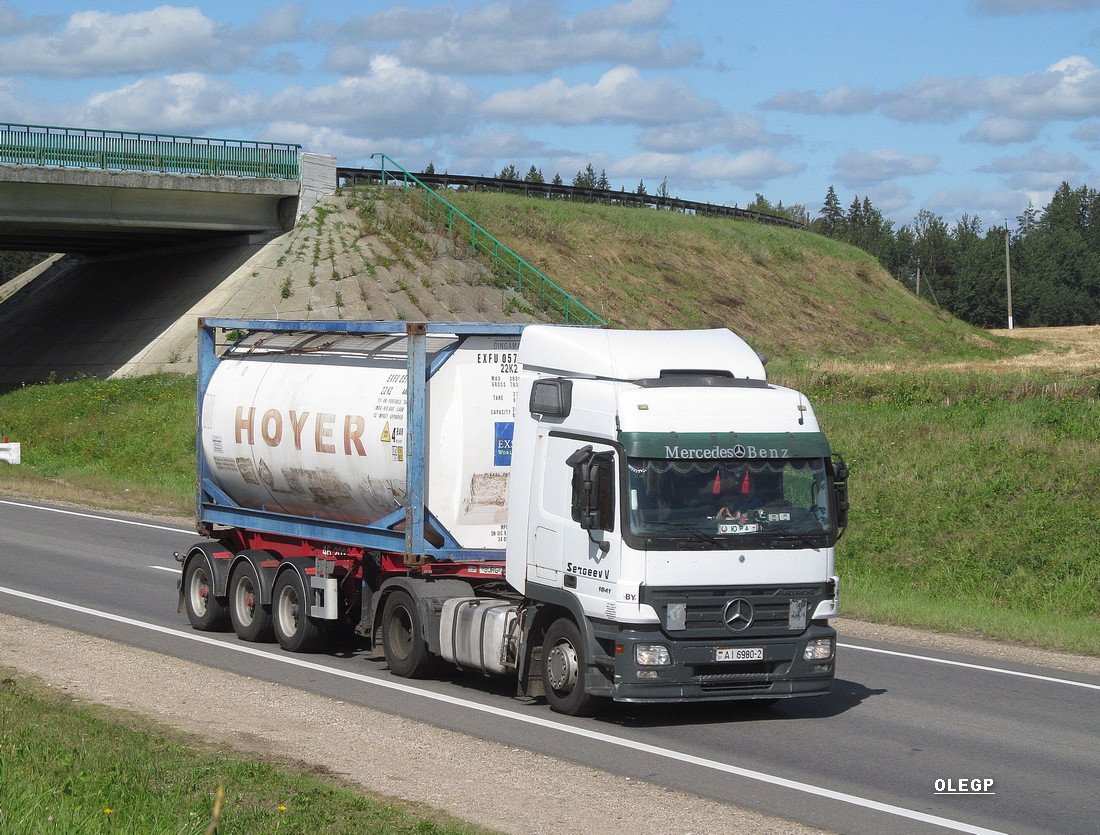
(67, 766)
(973, 495)
(973, 504)
(128, 444)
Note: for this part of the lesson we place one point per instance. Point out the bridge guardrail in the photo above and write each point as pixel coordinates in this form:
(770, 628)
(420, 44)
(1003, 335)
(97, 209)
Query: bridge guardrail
(591, 195)
(62, 147)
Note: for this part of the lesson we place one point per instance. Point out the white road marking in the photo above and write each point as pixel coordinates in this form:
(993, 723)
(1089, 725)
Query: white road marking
(97, 516)
(973, 666)
(597, 736)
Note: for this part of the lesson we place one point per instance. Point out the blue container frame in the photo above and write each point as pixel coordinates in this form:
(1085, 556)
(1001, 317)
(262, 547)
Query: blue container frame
(214, 507)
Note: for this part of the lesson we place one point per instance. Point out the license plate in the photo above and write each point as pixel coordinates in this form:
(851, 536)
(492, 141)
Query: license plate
(739, 654)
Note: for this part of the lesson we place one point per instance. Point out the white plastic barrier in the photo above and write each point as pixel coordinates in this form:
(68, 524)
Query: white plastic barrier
(9, 453)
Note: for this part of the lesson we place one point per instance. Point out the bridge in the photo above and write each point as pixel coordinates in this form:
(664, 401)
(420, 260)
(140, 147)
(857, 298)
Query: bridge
(152, 227)
(98, 192)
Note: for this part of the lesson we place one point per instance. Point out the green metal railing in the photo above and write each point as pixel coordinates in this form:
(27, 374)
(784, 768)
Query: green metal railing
(529, 282)
(164, 153)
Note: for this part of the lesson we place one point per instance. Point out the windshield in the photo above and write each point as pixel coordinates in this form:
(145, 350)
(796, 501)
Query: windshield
(729, 498)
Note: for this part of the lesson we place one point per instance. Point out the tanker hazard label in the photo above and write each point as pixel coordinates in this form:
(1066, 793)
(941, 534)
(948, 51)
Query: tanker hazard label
(502, 443)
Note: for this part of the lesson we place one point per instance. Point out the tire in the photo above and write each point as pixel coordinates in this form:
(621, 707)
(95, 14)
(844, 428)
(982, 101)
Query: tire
(206, 612)
(403, 638)
(294, 629)
(251, 620)
(564, 664)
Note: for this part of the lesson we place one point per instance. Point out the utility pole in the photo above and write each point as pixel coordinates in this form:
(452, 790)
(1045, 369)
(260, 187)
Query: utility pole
(1008, 276)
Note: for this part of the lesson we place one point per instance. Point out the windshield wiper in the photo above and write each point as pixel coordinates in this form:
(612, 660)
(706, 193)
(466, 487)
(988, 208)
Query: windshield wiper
(695, 533)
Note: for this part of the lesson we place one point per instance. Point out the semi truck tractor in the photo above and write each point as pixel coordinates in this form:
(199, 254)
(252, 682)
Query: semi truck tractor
(598, 514)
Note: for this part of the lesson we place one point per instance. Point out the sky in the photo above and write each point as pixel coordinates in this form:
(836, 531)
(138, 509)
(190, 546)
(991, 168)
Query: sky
(975, 107)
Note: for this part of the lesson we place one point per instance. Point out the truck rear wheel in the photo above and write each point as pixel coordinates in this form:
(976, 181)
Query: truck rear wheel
(205, 611)
(564, 664)
(251, 621)
(295, 630)
(403, 638)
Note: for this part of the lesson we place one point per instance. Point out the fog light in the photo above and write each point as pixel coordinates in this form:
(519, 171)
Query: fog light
(819, 649)
(652, 655)
(647, 674)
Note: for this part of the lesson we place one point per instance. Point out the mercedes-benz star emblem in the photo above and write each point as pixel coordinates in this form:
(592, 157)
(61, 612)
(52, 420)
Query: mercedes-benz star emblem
(737, 615)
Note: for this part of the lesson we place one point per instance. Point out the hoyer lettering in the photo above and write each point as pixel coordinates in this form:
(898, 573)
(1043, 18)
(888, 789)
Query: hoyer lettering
(313, 429)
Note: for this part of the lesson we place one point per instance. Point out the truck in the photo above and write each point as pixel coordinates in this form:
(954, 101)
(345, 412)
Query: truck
(599, 514)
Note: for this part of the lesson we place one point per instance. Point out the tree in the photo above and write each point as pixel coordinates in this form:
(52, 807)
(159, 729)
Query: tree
(662, 190)
(586, 178)
(603, 183)
(832, 216)
(430, 169)
(641, 188)
(534, 175)
(557, 181)
(509, 173)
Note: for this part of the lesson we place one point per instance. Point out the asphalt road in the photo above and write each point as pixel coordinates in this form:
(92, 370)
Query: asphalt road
(910, 741)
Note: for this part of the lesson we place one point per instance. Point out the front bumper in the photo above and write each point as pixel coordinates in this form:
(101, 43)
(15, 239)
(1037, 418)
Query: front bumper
(694, 675)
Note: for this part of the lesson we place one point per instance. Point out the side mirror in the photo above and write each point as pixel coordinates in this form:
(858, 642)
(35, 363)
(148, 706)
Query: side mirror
(593, 493)
(840, 492)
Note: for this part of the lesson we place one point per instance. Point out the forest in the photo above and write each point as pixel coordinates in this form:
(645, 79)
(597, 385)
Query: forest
(1053, 257)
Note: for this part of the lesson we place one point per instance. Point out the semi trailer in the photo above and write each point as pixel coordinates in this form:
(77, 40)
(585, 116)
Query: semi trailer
(599, 514)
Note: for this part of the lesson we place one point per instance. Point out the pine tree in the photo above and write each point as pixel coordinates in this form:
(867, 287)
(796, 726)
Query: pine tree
(586, 178)
(832, 216)
(534, 175)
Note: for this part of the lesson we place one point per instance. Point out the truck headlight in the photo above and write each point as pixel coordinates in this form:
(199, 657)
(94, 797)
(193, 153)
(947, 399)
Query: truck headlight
(819, 649)
(652, 655)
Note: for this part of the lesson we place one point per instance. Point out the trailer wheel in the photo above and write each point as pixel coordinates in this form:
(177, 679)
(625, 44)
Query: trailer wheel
(403, 638)
(295, 630)
(205, 611)
(563, 669)
(251, 620)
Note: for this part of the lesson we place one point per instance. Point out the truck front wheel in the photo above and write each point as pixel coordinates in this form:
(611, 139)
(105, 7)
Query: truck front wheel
(295, 630)
(403, 638)
(564, 663)
(251, 621)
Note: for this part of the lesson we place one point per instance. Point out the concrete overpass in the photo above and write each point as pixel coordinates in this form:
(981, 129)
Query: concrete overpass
(141, 247)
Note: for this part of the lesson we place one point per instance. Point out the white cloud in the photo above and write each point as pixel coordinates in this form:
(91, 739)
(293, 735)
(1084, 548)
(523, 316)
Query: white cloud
(1068, 89)
(858, 168)
(185, 103)
(620, 96)
(1037, 170)
(279, 25)
(731, 131)
(750, 170)
(97, 43)
(519, 37)
(352, 149)
(391, 99)
(844, 100)
(1002, 131)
